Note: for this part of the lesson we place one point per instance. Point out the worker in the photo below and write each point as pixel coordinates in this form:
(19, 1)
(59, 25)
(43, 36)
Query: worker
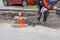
(43, 6)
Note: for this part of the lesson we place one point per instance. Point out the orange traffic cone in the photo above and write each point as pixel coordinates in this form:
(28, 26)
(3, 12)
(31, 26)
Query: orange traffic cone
(20, 21)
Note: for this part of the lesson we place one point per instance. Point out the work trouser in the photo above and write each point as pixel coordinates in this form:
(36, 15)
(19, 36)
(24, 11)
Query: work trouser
(45, 16)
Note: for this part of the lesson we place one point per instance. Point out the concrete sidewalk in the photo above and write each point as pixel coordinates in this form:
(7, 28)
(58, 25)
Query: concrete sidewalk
(7, 32)
(22, 9)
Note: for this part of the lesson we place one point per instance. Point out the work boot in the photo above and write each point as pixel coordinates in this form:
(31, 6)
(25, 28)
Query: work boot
(38, 21)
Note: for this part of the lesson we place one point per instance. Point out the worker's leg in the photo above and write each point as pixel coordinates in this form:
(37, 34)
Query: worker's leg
(45, 16)
(39, 16)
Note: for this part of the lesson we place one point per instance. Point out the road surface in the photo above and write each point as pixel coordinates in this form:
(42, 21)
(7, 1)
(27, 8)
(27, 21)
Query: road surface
(8, 7)
(7, 32)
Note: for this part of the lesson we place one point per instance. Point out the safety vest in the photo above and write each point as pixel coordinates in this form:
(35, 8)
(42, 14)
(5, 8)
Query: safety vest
(47, 3)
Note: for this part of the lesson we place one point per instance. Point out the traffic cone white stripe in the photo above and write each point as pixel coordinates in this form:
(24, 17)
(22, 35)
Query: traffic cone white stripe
(20, 18)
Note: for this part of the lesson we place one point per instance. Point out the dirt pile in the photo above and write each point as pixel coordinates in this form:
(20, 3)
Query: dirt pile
(58, 4)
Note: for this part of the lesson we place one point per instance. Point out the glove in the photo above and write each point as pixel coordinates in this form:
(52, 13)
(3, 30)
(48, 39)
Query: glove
(43, 9)
(49, 7)
(46, 6)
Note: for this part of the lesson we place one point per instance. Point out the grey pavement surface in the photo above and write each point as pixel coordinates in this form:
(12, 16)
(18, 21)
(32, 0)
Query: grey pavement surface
(7, 7)
(7, 32)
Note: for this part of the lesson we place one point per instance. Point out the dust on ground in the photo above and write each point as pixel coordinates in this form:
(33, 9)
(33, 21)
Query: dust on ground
(53, 20)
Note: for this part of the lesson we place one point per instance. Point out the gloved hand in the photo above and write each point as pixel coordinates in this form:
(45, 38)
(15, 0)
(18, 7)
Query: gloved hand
(43, 9)
(46, 6)
(49, 7)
